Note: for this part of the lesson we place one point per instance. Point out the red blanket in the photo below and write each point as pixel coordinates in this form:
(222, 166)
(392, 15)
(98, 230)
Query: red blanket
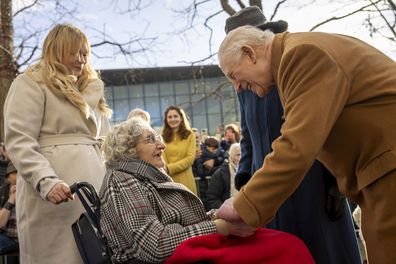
(265, 246)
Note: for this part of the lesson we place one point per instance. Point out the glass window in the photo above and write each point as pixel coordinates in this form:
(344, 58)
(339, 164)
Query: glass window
(120, 92)
(166, 88)
(135, 90)
(230, 111)
(153, 107)
(156, 123)
(211, 85)
(166, 101)
(182, 87)
(108, 92)
(199, 121)
(150, 89)
(213, 104)
(208, 101)
(182, 100)
(110, 103)
(121, 110)
(214, 121)
(199, 107)
(197, 86)
(134, 103)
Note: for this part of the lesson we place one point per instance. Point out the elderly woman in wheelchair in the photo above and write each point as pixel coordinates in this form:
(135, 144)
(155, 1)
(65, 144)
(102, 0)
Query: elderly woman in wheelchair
(144, 214)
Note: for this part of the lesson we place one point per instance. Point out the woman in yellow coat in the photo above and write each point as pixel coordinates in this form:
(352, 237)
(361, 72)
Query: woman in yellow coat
(180, 147)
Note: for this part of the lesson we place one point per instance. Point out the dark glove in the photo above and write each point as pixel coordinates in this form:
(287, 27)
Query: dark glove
(241, 179)
(335, 203)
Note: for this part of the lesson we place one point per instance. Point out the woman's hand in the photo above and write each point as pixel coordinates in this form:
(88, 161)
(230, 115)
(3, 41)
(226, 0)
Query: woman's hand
(241, 229)
(237, 228)
(60, 193)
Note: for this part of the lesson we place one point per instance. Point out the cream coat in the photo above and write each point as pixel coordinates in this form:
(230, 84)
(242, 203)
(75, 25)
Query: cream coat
(49, 138)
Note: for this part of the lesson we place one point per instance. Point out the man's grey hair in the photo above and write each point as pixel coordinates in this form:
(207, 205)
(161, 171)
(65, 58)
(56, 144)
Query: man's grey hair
(121, 142)
(138, 112)
(230, 50)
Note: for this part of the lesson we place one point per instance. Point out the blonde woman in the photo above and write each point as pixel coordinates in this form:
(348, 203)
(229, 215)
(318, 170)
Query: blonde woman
(180, 149)
(55, 113)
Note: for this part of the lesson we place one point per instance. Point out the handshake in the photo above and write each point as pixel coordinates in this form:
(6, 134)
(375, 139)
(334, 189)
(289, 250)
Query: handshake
(228, 222)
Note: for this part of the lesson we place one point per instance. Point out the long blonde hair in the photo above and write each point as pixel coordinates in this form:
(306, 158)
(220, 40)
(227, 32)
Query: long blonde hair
(65, 40)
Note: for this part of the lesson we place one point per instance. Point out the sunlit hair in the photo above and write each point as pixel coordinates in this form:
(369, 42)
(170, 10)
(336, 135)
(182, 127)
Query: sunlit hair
(230, 50)
(234, 150)
(137, 112)
(184, 129)
(235, 130)
(65, 40)
(121, 142)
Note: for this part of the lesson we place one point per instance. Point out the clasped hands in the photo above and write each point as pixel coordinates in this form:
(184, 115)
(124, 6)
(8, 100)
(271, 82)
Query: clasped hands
(230, 223)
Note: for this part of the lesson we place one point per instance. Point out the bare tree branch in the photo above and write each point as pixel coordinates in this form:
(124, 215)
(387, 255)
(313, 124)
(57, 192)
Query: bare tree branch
(201, 60)
(210, 29)
(278, 5)
(240, 3)
(393, 5)
(256, 3)
(25, 8)
(227, 8)
(391, 28)
(363, 8)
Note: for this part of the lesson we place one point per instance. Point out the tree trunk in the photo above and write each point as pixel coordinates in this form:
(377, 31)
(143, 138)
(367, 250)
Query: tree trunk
(7, 63)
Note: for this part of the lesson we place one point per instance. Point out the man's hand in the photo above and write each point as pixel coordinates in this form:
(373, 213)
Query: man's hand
(234, 225)
(227, 211)
(60, 193)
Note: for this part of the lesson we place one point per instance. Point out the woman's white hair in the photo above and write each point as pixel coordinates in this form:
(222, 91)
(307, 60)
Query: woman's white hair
(234, 150)
(230, 50)
(121, 142)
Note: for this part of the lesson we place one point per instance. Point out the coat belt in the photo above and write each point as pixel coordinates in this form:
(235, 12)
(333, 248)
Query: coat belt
(67, 139)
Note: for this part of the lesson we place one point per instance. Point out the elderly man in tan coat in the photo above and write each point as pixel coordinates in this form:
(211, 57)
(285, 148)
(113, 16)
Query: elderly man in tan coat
(339, 99)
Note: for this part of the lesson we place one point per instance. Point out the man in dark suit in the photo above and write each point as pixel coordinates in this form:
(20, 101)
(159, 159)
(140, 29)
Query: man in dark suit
(339, 100)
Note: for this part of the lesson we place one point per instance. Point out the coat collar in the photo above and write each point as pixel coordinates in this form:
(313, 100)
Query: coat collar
(92, 94)
(276, 55)
(140, 169)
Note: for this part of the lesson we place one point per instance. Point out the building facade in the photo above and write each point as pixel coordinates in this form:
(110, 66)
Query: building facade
(202, 91)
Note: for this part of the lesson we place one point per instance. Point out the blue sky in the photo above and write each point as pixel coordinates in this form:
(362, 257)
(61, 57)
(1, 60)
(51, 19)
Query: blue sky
(156, 19)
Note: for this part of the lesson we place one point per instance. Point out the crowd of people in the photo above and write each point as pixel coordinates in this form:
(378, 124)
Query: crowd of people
(280, 183)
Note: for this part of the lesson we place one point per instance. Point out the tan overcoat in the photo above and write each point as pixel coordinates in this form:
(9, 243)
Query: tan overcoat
(339, 98)
(48, 137)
